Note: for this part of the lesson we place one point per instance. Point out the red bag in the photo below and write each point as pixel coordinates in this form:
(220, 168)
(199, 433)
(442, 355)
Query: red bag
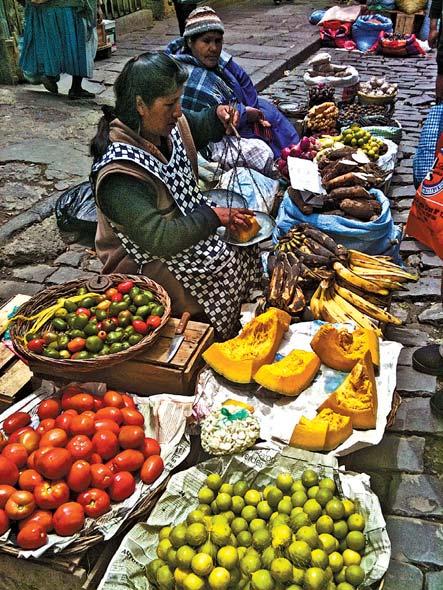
(425, 221)
(336, 33)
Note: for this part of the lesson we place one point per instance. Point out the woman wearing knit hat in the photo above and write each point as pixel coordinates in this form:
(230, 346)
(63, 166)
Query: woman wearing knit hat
(183, 9)
(215, 78)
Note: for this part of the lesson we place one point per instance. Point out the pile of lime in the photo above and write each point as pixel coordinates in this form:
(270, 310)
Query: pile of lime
(296, 534)
(357, 137)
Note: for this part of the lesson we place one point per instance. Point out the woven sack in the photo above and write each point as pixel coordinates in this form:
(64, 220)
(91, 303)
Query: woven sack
(411, 6)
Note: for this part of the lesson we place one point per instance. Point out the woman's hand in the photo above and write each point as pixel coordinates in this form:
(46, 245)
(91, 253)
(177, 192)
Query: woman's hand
(229, 116)
(233, 217)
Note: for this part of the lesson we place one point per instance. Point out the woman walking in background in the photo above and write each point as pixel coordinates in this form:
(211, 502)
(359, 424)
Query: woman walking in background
(183, 9)
(59, 37)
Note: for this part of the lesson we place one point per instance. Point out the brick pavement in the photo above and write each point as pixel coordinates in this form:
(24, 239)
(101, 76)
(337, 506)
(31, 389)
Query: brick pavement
(406, 468)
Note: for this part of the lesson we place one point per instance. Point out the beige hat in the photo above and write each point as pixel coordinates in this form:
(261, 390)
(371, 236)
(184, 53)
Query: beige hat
(201, 20)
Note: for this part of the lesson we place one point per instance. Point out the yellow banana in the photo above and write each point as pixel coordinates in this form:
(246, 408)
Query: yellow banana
(397, 275)
(367, 307)
(358, 317)
(334, 312)
(314, 303)
(354, 279)
(379, 263)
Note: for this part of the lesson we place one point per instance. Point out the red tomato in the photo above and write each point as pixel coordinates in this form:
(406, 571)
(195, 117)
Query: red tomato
(4, 522)
(49, 408)
(95, 458)
(26, 436)
(8, 472)
(79, 401)
(128, 402)
(76, 344)
(128, 460)
(71, 412)
(28, 479)
(68, 519)
(56, 437)
(117, 297)
(15, 421)
(40, 517)
(89, 413)
(83, 310)
(64, 420)
(131, 437)
(132, 417)
(151, 469)
(101, 476)
(122, 486)
(54, 463)
(153, 321)
(20, 505)
(98, 401)
(110, 292)
(106, 424)
(113, 399)
(79, 476)
(95, 502)
(32, 536)
(125, 286)
(150, 447)
(51, 495)
(114, 414)
(105, 443)
(45, 425)
(80, 447)
(5, 492)
(82, 424)
(3, 441)
(140, 327)
(16, 453)
(36, 345)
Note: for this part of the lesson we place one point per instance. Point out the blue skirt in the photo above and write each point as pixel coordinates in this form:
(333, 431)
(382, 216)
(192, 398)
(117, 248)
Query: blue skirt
(54, 42)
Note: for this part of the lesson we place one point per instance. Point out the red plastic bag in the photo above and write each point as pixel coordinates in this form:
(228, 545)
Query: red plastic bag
(336, 33)
(425, 221)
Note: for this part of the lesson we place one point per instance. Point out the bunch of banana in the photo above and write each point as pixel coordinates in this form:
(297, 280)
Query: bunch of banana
(312, 247)
(357, 291)
(285, 290)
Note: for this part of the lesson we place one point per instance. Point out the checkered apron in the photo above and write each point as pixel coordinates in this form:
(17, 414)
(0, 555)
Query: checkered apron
(218, 275)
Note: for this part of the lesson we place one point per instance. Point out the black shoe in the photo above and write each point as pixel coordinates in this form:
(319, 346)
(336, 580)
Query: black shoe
(50, 84)
(428, 359)
(79, 94)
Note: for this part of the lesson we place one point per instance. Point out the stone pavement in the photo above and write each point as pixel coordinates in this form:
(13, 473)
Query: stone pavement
(406, 468)
(46, 148)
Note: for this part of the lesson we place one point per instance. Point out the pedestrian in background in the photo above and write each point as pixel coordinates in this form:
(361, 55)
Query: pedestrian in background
(183, 9)
(59, 37)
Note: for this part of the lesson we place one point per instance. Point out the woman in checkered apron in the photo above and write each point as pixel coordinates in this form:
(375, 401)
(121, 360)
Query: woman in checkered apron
(152, 218)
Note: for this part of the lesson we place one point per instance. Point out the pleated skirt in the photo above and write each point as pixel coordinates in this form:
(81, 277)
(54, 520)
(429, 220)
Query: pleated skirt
(55, 41)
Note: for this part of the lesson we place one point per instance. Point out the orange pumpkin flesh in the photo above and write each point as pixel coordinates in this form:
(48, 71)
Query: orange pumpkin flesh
(309, 435)
(339, 428)
(341, 350)
(290, 376)
(240, 358)
(356, 397)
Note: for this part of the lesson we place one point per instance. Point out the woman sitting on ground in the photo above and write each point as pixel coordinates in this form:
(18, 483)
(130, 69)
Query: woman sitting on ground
(152, 218)
(215, 78)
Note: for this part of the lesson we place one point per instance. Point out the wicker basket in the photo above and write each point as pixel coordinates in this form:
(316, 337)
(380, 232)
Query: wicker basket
(87, 540)
(49, 297)
(369, 99)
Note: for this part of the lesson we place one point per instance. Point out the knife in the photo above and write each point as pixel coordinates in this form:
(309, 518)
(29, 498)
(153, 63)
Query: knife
(178, 336)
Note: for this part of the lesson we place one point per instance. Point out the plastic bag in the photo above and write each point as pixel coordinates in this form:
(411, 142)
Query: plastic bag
(316, 16)
(366, 29)
(381, 5)
(258, 190)
(335, 33)
(425, 154)
(425, 221)
(373, 237)
(75, 209)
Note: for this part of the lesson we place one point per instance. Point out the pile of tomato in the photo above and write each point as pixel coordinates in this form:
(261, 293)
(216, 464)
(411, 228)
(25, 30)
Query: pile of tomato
(99, 325)
(84, 454)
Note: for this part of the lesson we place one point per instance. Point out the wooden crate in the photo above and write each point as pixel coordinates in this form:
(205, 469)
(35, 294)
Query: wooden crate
(15, 375)
(149, 373)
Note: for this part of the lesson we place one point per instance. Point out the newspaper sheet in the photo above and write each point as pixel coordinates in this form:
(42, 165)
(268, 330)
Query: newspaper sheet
(279, 414)
(258, 467)
(165, 419)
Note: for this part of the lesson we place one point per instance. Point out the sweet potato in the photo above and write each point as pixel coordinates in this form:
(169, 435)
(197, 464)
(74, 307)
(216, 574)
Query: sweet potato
(351, 192)
(361, 208)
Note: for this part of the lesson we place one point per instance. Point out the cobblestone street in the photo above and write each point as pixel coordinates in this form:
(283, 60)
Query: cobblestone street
(44, 150)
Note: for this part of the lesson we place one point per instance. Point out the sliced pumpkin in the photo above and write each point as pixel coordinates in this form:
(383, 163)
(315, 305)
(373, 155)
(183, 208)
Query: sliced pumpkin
(356, 397)
(240, 358)
(309, 435)
(339, 428)
(341, 350)
(290, 376)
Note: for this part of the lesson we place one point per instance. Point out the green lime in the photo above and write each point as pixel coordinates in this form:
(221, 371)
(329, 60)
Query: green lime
(202, 564)
(184, 556)
(214, 481)
(196, 534)
(279, 519)
(237, 504)
(324, 524)
(240, 488)
(256, 524)
(238, 525)
(281, 536)
(284, 482)
(219, 579)
(204, 508)
(226, 488)
(193, 582)
(298, 498)
(281, 570)
(261, 539)
(355, 540)
(298, 520)
(274, 496)
(195, 516)
(244, 539)
(313, 509)
(313, 491)
(250, 563)
(340, 576)
(208, 548)
(334, 509)
(323, 496)
(309, 478)
(171, 558)
(220, 533)
(205, 495)
(178, 535)
(163, 548)
(264, 510)
(180, 575)
(315, 579)
(340, 529)
(164, 532)
(328, 542)
(164, 577)
(308, 534)
(335, 561)
(152, 568)
(319, 558)
(227, 557)
(285, 505)
(356, 522)
(298, 486)
(349, 507)
(351, 557)
(355, 575)
(262, 580)
(268, 556)
(223, 501)
(345, 586)
(249, 513)
(252, 497)
(228, 515)
(299, 553)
